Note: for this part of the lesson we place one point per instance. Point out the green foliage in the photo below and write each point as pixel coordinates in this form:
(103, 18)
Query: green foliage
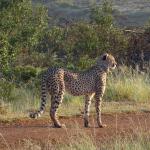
(70, 43)
(85, 62)
(102, 15)
(81, 40)
(53, 40)
(77, 45)
(22, 73)
(21, 27)
(25, 73)
(111, 38)
(24, 28)
(38, 60)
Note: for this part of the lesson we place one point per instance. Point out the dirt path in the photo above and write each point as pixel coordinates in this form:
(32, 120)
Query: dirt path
(42, 131)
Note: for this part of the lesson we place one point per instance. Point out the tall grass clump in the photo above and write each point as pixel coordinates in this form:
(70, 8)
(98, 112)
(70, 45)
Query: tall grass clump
(25, 99)
(18, 97)
(74, 105)
(126, 84)
(139, 141)
(79, 140)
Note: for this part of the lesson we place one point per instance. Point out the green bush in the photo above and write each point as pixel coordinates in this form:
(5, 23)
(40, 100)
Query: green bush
(25, 73)
(22, 73)
(78, 43)
(21, 27)
(35, 59)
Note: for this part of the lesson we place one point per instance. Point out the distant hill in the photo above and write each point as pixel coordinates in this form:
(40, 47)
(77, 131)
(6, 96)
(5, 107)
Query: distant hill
(126, 12)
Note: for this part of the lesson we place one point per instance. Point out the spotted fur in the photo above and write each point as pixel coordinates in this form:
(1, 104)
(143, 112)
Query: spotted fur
(90, 83)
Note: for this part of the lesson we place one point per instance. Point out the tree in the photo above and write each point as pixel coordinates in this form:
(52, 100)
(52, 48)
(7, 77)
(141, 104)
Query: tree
(102, 15)
(21, 27)
(111, 38)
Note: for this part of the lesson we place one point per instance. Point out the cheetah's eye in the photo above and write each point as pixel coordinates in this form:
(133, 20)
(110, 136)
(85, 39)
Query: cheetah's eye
(104, 57)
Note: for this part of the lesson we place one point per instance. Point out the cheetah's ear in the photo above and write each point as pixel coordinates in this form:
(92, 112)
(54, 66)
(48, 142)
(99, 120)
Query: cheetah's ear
(105, 56)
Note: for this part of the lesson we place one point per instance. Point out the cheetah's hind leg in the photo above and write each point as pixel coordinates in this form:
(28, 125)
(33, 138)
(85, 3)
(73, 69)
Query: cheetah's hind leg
(88, 99)
(56, 100)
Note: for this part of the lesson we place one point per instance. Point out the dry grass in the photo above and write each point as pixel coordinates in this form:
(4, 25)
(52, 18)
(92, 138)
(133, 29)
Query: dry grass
(76, 108)
(126, 84)
(138, 140)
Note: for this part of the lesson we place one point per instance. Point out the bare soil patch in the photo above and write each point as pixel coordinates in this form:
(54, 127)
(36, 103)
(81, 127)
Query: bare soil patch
(41, 130)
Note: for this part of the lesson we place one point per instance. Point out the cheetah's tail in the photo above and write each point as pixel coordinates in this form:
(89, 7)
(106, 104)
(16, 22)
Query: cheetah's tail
(43, 100)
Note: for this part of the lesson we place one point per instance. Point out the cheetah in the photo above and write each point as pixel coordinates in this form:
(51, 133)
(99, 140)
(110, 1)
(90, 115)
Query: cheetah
(90, 83)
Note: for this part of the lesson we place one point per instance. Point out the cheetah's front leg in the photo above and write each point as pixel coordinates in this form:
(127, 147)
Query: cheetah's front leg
(98, 101)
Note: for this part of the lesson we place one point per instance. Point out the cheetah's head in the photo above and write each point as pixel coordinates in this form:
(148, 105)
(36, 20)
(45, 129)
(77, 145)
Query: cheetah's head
(107, 62)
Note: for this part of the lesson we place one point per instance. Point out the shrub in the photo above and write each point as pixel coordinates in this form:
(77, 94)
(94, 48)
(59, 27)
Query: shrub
(25, 73)
(20, 30)
(22, 73)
